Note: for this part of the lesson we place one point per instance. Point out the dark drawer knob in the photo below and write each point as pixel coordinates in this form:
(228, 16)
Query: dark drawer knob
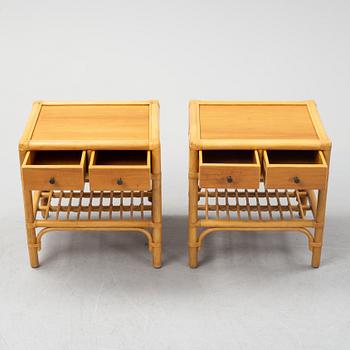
(229, 179)
(119, 181)
(296, 180)
(52, 181)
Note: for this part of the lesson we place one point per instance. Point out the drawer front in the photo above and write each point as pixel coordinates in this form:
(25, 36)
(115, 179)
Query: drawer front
(229, 169)
(47, 170)
(226, 176)
(120, 170)
(295, 176)
(122, 179)
(53, 178)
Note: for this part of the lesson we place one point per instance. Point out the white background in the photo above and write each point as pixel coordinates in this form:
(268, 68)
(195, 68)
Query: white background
(252, 290)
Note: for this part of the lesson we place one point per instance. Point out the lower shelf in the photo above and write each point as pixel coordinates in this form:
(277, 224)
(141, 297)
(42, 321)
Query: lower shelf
(93, 205)
(266, 205)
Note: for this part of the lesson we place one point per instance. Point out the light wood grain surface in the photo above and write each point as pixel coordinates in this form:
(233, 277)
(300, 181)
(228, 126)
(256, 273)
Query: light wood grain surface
(254, 125)
(94, 125)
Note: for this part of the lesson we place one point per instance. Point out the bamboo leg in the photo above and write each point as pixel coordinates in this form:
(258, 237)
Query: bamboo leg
(157, 208)
(320, 215)
(29, 220)
(318, 237)
(31, 235)
(193, 203)
(316, 251)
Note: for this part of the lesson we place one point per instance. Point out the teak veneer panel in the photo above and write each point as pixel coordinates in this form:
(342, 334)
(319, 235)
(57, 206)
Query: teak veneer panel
(92, 122)
(92, 125)
(255, 122)
(256, 125)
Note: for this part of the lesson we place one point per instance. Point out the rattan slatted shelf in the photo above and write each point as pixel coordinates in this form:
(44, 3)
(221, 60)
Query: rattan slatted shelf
(94, 205)
(257, 166)
(254, 204)
(92, 166)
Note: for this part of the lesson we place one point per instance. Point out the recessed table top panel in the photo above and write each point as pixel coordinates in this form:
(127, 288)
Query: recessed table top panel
(94, 125)
(81, 122)
(216, 124)
(255, 122)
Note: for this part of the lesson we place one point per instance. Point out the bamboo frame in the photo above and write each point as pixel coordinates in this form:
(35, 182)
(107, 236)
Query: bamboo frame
(86, 210)
(214, 210)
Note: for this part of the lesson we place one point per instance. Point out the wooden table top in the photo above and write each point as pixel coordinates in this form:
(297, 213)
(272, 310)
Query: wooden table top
(256, 125)
(92, 125)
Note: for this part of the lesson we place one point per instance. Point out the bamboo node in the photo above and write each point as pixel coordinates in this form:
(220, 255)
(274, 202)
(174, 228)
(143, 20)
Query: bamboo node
(155, 244)
(156, 176)
(315, 245)
(35, 245)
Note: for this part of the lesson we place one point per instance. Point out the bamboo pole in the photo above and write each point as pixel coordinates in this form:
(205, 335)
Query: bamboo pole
(193, 203)
(29, 221)
(320, 215)
(157, 207)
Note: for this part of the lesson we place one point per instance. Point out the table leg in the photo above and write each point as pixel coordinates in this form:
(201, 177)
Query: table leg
(320, 215)
(157, 208)
(29, 221)
(193, 213)
(321, 207)
(31, 235)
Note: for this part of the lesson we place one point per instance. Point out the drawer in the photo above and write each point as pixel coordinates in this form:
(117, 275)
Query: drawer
(229, 169)
(295, 169)
(54, 170)
(120, 170)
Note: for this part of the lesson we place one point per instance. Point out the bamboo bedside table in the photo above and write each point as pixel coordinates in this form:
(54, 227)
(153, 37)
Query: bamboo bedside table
(257, 166)
(92, 166)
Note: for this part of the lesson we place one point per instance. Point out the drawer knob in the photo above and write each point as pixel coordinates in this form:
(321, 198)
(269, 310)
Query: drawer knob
(296, 180)
(52, 180)
(229, 179)
(119, 181)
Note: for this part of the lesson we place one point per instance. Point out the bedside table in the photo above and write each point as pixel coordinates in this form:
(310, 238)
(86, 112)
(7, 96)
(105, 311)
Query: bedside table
(92, 166)
(257, 166)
